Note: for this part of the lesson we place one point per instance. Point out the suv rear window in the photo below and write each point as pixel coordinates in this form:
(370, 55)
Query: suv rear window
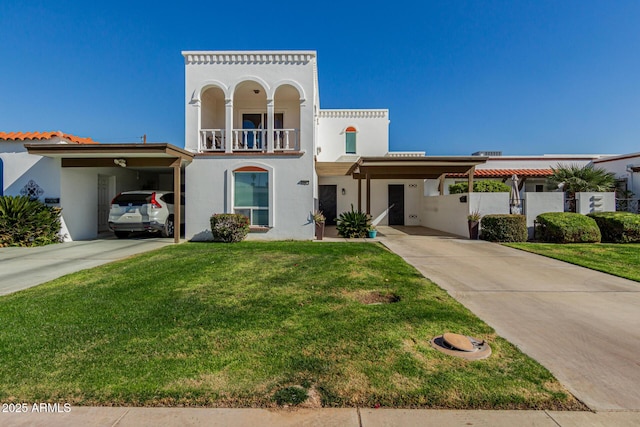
(132, 199)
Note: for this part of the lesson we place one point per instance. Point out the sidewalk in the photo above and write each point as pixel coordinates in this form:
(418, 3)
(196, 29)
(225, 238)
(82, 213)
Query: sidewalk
(153, 417)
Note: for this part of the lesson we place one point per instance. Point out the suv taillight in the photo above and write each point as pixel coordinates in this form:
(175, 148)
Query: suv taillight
(114, 199)
(154, 202)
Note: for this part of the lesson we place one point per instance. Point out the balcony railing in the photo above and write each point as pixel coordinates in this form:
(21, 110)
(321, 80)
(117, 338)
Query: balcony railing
(249, 140)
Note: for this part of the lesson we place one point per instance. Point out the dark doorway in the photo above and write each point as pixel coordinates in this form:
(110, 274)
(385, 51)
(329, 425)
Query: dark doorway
(396, 200)
(328, 202)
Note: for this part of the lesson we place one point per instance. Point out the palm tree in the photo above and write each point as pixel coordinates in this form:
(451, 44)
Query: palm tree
(574, 179)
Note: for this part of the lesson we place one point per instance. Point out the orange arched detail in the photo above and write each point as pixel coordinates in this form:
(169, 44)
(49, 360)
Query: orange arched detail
(350, 129)
(250, 169)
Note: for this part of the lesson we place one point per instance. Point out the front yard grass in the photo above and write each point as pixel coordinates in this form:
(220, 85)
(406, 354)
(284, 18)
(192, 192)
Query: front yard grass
(242, 324)
(619, 259)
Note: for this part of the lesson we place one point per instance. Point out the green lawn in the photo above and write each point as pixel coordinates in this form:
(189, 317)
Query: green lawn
(614, 258)
(232, 324)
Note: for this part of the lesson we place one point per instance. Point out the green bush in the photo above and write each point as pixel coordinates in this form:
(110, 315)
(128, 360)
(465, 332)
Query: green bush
(26, 222)
(352, 224)
(504, 228)
(566, 227)
(484, 186)
(229, 228)
(618, 227)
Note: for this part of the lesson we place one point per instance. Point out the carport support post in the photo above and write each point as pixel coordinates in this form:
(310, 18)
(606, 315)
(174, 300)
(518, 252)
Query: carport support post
(368, 194)
(177, 198)
(359, 194)
(441, 179)
(471, 172)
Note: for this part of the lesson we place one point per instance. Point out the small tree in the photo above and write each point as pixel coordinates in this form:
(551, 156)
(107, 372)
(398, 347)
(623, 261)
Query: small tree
(574, 179)
(482, 186)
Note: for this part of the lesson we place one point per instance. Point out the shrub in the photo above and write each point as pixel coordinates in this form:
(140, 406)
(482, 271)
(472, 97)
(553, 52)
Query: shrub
(229, 228)
(484, 186)
(618, 227)
(566, 227)
(26, 222)
(504, 228)
(353, 224)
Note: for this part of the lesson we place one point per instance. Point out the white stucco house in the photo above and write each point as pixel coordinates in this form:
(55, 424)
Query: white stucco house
(257, 142)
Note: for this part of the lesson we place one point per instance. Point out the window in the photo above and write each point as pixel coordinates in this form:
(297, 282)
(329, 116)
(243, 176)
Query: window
(539, 188)
(350, 143)
(251, 194)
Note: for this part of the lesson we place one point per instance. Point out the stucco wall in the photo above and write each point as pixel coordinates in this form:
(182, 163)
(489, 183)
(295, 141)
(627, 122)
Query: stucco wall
(372, 133)
(449, 213)
(539, 203)
(379, 197)
(620, 165)
(270, 70)
(209, 186)
(595, 202)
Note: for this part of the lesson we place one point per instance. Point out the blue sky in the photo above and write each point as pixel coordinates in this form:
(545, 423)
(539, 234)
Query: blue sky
(523, 77)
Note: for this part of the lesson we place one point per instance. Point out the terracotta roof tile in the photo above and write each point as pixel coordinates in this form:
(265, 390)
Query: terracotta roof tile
(21, 136)
(501, 173)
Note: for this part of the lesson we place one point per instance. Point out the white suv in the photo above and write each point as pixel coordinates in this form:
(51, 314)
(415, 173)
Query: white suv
(143, 210)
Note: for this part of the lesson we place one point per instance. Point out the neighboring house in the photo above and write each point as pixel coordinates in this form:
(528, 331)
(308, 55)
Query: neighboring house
(74, 173)
(258, 143)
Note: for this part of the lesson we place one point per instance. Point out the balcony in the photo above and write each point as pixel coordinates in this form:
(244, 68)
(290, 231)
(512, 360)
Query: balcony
(249, 140)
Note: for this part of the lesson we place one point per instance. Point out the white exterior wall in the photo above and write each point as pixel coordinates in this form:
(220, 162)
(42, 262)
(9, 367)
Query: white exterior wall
(449, 213)
(445, 213)
(372, 133)
(539, 203)
(209, 182)
(595, 202)
(209, 178)
(379, 197)
(621, 166)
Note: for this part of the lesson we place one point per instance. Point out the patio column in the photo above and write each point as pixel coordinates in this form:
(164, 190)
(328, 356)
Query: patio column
(177, 198)
(368, 194)
(228, 123)
(270, 124)
(471, 172)
(359, 194)
(441, 184)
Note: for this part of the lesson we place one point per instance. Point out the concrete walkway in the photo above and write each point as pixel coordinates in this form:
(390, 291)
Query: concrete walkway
(584, 326)
(152, 417)
(22, 268)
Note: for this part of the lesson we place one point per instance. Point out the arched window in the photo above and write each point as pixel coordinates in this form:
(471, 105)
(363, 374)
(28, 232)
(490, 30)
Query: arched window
(251, 194)
(350, 140)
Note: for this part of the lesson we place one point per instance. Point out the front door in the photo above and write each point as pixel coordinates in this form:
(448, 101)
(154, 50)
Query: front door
(103, 203)
(328, 201)
(396, 202)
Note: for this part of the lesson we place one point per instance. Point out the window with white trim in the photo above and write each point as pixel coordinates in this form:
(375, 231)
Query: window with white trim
(251, 195)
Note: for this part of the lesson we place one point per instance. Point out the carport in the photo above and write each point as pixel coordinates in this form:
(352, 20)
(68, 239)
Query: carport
(134, 156)
(401, 167)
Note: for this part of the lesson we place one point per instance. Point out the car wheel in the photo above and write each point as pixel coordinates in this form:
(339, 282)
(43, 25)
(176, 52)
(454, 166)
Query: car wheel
(121, 234)
(167, 230)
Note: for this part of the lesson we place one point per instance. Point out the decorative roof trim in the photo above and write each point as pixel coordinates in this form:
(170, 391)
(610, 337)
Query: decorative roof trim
(23, 136)
(353, 114)
(282, 58)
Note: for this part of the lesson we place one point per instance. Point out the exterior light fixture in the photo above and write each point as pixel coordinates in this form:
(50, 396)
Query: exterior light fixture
(344, 192)
(120, 162)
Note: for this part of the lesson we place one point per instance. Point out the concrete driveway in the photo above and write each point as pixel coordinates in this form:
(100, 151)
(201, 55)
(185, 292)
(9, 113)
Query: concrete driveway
(22, 268)
(584, 326)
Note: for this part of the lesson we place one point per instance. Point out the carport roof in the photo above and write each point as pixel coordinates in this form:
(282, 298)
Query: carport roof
(134, 155)
(420, 167)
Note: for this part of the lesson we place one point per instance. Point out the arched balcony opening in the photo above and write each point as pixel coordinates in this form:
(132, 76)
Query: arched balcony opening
(212, 120)
(286, 118)
(249, 117)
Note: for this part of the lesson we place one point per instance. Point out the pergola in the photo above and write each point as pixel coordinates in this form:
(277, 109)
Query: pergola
(158, 155)
(398, 167)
